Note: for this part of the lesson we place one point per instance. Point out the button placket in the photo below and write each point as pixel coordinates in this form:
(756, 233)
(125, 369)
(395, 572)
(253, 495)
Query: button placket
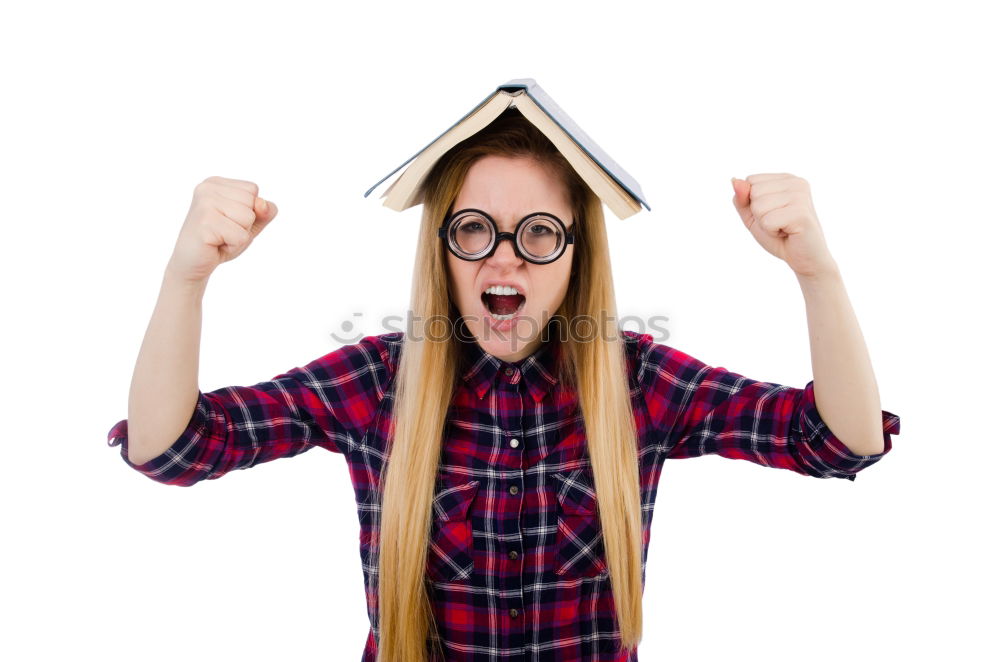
(515, 483)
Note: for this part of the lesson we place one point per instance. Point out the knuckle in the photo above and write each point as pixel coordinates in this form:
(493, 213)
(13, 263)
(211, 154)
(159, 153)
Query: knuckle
(241, 238)
(246, 198)
(199, 208)
(208, 186)
(207, 235)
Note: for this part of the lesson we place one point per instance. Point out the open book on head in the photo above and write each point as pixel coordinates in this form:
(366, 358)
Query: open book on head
(615, 187)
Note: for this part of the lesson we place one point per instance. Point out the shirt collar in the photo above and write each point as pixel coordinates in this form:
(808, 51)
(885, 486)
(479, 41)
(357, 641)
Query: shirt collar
(480, 369)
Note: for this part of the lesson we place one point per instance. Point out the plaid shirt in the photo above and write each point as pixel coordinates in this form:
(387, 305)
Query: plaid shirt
(516, 566)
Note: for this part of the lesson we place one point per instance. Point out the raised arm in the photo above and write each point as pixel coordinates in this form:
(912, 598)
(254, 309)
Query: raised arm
(778, 211)
(698, 409)
(224, 217)
(179, 435)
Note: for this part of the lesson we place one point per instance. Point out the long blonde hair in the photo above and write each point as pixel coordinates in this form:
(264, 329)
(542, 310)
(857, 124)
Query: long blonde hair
(427, 378)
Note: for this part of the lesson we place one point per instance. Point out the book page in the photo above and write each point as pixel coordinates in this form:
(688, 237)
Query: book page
(606, 188)
(403, 192)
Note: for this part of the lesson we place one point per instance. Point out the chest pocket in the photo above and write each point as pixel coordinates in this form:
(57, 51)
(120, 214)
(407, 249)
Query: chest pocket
(579, 548)
(449, 558)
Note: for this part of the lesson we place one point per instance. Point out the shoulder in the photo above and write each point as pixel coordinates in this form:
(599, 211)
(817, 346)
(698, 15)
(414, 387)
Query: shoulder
(374, 358)
(384, 348)
(388, 346)
(649, 360)
(635, 342)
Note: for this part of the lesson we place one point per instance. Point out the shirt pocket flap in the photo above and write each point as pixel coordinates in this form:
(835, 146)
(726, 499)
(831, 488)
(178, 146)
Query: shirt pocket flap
(574, 496)
(453, 501)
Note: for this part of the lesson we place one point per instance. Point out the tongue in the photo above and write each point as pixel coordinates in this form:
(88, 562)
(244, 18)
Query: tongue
(503, 304)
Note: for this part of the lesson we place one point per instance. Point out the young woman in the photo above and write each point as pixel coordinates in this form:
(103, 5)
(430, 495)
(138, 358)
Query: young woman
(505, 450)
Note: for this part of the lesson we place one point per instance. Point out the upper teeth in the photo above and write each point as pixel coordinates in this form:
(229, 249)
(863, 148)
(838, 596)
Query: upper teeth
(501, 289)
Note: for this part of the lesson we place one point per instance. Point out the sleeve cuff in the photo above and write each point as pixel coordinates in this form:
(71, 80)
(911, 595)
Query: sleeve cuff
(827, 455)
(179, 456)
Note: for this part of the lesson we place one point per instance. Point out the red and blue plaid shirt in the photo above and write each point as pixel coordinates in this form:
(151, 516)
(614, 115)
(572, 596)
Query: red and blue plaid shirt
(516, 566)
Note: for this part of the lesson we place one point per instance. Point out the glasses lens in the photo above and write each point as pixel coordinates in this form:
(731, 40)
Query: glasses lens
(541, 238)
(471, 233)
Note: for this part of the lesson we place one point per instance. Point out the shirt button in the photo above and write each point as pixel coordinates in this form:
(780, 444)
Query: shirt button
(514, 443)
(508, 372)
(513, 613)
(512, 554)
(513, 489)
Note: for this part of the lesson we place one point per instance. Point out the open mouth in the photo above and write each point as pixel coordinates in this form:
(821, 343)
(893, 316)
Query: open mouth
(502, 302)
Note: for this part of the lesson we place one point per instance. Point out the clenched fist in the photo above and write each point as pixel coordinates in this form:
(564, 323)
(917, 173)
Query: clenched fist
(225, 216)
(777, 209)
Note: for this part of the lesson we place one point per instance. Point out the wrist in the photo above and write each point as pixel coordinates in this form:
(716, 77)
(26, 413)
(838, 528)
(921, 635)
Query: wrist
(174, 281)
(828, 271)
(821, 285)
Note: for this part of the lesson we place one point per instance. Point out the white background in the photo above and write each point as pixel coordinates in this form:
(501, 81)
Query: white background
(113, 112)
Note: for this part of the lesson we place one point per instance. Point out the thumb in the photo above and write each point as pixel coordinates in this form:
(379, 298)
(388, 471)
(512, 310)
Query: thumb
(741, 190)
(264, 212)
(741, 199)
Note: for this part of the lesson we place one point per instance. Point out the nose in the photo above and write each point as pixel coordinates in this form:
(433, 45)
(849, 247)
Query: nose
(505, 253)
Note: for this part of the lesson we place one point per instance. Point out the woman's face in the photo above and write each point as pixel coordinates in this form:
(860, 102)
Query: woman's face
(508, 189)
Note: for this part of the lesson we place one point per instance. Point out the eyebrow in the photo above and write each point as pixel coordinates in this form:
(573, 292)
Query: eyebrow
(519, 218)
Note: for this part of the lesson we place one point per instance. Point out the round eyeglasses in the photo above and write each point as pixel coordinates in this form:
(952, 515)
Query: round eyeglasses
(472, 234)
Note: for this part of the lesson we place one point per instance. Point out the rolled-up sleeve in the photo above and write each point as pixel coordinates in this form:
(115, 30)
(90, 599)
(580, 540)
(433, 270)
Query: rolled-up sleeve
(696, 409)
(828, 455)
(328, 402)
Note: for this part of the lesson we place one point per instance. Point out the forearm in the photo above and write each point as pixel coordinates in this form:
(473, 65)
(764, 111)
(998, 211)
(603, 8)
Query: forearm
(164, 389)
(843, 380)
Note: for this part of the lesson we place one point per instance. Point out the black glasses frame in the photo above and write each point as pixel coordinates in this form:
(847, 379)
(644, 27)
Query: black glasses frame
(498, 236)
